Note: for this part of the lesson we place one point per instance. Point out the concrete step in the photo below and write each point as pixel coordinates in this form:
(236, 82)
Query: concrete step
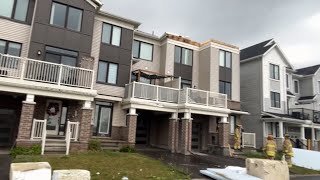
(55, 145)
(55, 149)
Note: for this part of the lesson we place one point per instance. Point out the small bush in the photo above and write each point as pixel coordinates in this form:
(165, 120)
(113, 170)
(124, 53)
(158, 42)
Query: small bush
(127, 149)
(94, 145)
(33, 150)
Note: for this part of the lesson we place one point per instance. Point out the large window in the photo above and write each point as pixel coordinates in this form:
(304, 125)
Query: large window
(275, 100)
(107, 72)
(15, 9)
(225, 88)
(142, 50)
(274, 72)
(183, 56)
(11, 48)
(296, 86)
(102, 119)
(111, 34)
(233, 122)
(65, 16)
(225, 59)
(61, 56)
(287, 80)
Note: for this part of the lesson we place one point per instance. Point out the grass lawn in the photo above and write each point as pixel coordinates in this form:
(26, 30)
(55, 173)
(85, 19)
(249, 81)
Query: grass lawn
(294, 169)
(111, 165)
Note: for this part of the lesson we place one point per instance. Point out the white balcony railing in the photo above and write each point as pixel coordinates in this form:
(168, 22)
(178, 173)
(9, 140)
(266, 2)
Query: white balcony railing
(45, 72)
(173, 95)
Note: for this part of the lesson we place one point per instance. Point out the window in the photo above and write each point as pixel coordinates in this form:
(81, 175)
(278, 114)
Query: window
(11, 48)
(274, 72)
(296, 86)
(185, 84)
(142, 50)
(111, 34)
(183, 56)
(275, 100)
(107, 72)
(318, 87)
(102, 118)
(61, 56)
(15, 9)
(225, 88)
(287, 80)
(225, 59)
(269, 127)
(233, 123)
(65, 16)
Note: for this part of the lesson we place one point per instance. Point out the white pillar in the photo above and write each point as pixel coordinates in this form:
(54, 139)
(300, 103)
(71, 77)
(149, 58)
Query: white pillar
(187, 115)
(313, 135)
(29, 98)
(132, 111)
(174, 116)
(86, 105)
(224, 120)
(280, 129)
(302, 133)
(264, 128)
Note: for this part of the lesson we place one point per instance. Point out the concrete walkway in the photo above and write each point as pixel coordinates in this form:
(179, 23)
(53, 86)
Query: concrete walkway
(5, 161)
(194, 163)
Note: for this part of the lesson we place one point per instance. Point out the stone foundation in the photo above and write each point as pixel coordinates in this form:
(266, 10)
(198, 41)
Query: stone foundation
(129, 132)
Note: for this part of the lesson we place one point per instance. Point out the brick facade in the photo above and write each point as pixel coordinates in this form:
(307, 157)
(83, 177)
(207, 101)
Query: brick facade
(172, 139)
(129, 133)
(26, 120)
(185, 136)
(224, 132)
(85, 125)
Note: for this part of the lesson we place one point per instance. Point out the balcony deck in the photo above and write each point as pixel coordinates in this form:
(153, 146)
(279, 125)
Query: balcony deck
(33, 74)
(175, 98)
(305, 114)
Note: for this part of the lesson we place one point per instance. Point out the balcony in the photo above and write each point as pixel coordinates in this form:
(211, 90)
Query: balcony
(305, 114)
(162, 94)
(23, 69)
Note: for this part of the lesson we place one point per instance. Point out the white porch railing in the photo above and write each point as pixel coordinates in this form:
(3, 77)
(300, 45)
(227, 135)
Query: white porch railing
(44, 137)
(37, 129)
(45, 72)
(249, 140)
(74, 130)
(68, 139)
(206, 98)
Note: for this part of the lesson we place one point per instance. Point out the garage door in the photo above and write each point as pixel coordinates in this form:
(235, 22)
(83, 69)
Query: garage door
(7, 123)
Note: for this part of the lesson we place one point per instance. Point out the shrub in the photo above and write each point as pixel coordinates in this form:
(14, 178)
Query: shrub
(127, 149)
(94, 145)
(33, 150)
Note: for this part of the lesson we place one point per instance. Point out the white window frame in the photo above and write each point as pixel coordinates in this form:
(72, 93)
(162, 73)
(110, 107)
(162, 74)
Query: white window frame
(287, 81)
(319, 87)
(294, 86)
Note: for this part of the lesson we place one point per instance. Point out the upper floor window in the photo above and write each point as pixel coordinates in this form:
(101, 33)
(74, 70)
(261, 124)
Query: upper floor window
(287, 80)
(107, 72)
(225, 59)
(111, 34)
(66, 16)
(142, 50)
(61, 56)
(183, 56)
(11, 48)
(225, 88)
(296, 86)
(275, 99)
(15, 9)
(274, 72)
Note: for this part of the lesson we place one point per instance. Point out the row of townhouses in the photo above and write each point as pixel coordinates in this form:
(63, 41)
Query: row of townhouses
(71, 73)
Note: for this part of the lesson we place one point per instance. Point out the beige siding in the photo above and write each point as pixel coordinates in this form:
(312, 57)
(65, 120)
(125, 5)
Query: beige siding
(15, 32)
(204, 69)
(96, 42)
(119, 115)
(153, 65)
(235, 77)
(214, 70)
(195, 69)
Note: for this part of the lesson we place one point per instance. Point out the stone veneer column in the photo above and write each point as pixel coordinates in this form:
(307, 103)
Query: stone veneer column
(172, 138)
(186, 135)
(26, 120)
(85, 125)
(130, 130)
(224, 132)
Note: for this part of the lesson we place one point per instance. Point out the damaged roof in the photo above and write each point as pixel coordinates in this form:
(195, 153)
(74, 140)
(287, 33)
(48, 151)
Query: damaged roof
(256, 50)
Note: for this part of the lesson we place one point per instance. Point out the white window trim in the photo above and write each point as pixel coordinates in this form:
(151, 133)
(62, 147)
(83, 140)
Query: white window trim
(294, 86)
(287, 83)
(318, 87)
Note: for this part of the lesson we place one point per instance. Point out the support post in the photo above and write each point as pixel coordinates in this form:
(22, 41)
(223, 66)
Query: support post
(172, 138)
(224, 131)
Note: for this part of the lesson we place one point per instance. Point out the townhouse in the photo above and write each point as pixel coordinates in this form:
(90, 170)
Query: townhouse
(70, 72)
(279, 98)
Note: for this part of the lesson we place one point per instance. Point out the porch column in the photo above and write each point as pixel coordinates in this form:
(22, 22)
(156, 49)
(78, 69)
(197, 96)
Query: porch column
(313, 138)
(302, 137)
(130, 134)
(172, 138)
(186, 134)
(26, 120)
(86, 114)
(224, 131)
(263, 129)
(280, 129)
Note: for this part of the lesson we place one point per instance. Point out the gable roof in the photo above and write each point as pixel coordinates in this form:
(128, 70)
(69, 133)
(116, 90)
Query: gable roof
(256, 50)
(308, 70)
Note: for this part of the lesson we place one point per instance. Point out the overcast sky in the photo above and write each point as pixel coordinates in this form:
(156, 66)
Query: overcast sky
(294, 24)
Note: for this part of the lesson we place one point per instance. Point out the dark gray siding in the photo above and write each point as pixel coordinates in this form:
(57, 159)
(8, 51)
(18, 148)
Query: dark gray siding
(182, 70)
(44, 34)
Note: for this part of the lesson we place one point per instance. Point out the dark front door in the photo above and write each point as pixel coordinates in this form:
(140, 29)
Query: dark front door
(103, 119)
(196, 136)
(7, 125)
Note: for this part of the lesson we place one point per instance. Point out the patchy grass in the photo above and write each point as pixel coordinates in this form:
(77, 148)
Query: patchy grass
(111, 165)
(261, 155)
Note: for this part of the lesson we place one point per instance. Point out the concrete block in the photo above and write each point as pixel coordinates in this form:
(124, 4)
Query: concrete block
(30, 171)
(267, 169)
(72, 174)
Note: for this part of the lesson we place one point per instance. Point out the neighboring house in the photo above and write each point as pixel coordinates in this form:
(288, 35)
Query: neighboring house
(273, 92)
(93, 75)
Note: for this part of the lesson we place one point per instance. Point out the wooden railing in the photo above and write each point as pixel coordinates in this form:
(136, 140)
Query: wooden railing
(45, 72)
(44, 136)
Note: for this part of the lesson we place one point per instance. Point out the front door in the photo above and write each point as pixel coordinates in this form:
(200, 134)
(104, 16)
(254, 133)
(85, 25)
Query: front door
(196, 136)
(53, 116)
(103, 119)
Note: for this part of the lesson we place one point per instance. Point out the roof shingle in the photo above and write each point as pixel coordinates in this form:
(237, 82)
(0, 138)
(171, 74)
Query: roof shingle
(255, 50)
(308, 70)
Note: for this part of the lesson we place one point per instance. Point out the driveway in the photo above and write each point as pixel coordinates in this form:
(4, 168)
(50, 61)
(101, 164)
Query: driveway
(5, 161)
(194, 163)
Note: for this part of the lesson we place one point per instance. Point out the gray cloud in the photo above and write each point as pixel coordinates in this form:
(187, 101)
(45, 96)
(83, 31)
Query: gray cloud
(241, 22)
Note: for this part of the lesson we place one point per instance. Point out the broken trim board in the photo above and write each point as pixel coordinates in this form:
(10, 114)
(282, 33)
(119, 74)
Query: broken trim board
(229, 173)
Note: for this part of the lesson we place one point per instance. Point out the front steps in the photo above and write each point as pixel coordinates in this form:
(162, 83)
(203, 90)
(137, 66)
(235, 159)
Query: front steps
(55, 145)
(110, 144)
